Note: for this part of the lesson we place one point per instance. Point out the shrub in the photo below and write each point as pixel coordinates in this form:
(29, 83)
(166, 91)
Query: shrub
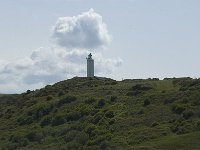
(90, 128)
(178, 108)
(154, 124)
(74, 115)
(104, 145)
(40, 111)
(90, 101)
(25, 120)
(58, 120)
(187, 114)
(61, 93)
(70, 136)
(113, 98)
(49, 98)
(18, 139)
(101, 102)
(81, 138)
(46, 121)
(146, 102)
(134, 93)
(28, 91)
(35, 136)
(141, 111)
(141, 87)
(109, 114)
(66, 100)
(97, 118)
(77, 136)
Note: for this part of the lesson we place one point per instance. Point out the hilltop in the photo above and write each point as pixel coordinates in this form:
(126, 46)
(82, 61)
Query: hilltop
(101, 113)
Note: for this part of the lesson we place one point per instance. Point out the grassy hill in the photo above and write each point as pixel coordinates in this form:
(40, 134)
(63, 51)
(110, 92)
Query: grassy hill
(101, 113)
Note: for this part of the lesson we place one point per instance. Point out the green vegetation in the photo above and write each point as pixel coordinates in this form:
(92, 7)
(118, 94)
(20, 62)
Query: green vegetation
(94, 113)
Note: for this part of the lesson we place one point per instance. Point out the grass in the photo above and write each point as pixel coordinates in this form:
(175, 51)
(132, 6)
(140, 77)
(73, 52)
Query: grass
(92, 113)
(188, 141)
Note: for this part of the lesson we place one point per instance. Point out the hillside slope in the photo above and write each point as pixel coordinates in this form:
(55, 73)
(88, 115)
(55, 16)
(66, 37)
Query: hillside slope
(101, 113)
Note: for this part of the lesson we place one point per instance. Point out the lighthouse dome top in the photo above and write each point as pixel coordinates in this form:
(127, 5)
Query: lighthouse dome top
(90, 56)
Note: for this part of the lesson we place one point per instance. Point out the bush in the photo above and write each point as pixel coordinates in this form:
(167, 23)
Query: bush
(154, 124)
(134, 93)
(97, 118)
(18, 139)
(146, 102)
(49, 98)
(46, 121)
(58, 120)
(141, 87)
(90, 101)
(141, 111)
(187, 114)
(113, 98)
(25, 120)
(178, 108)
(77, 136)
(70, 136)
(109, 114)
(66, 100)
(61, 93)
(101, 103)
(74, 115)
(90, 129)
(104, 145)
(40, 110)
(35, 136)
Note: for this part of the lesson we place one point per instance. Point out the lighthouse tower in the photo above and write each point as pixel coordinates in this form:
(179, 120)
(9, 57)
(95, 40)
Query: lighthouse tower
(90, 66)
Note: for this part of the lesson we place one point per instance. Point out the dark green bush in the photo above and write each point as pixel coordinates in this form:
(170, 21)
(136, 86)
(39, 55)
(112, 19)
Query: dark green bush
(134, 93)
(70, 135)
(49, 98)
(109, 114)
(35, 136)
(61, 93)
(141, 87)
(187, 114)
(154, 124)
(178, 108)
(39, 111)
(89, 129)
(74, 115)
(97, 118)
(58, 120)
(146, 102)
(77, 136)
(90, 101)
(46, 121)
(66, 100)
(101, 103)
(81, 138)
(22, 141)
(25, 120)
(113, 98)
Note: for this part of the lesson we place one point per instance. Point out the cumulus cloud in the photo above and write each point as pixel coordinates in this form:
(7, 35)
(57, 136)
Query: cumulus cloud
(47, 65)
(86, 30)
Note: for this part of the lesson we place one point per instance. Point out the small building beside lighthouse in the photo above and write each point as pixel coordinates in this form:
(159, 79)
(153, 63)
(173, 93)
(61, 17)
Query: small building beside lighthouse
(90, 66)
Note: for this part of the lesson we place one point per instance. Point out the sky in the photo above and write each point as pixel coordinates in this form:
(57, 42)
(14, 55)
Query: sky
(43, 42)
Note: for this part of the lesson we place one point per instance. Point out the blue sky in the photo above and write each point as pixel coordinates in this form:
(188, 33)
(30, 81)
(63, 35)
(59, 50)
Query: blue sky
(149, 38)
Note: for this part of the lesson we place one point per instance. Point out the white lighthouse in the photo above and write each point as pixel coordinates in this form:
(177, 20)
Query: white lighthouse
(90, 66)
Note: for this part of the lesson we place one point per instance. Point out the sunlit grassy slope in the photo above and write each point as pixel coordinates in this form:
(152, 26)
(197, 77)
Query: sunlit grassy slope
(101, 113)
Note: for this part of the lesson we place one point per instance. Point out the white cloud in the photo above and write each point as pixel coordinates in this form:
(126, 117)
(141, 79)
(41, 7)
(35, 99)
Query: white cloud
(47, 65)
(86, 30)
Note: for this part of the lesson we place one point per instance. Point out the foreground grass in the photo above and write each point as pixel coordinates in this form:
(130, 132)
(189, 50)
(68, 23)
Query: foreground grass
(188, 141)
